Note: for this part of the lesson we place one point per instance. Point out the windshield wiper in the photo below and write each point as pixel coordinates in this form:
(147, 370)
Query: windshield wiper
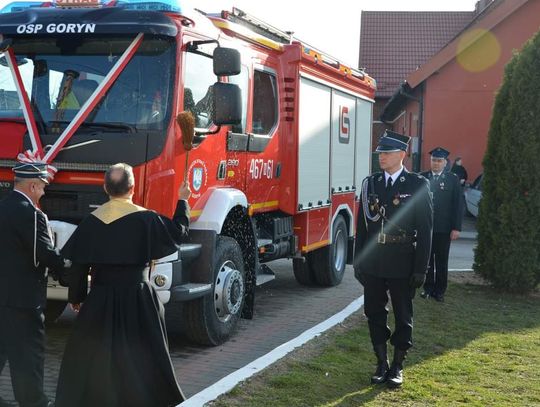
(115, 126)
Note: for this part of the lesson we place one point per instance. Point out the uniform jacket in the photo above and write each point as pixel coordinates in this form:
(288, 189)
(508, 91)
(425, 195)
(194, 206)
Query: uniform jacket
(409, 209)
(24, 241)
(447, 202)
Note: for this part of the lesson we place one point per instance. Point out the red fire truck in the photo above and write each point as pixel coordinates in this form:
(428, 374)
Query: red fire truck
(275, 156)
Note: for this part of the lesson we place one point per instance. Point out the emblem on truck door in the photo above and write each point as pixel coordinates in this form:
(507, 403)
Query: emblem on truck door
(197, 178)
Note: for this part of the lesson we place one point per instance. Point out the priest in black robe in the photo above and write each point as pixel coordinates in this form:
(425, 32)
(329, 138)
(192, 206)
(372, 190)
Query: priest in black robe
(117, 354)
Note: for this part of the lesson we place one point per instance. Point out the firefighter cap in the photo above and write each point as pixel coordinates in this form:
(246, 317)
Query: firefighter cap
(32, 170)
(391, 141)
(439, 152)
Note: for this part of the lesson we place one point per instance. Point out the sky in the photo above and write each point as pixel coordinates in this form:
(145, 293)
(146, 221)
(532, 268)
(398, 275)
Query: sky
(334, 28)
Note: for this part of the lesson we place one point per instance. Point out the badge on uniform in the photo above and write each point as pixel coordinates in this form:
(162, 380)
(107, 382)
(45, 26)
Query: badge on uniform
(396, 200)
(442, 185)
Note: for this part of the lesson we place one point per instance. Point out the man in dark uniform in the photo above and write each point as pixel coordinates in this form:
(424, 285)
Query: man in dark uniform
(447, 201)
(26, 250)
(393, 242)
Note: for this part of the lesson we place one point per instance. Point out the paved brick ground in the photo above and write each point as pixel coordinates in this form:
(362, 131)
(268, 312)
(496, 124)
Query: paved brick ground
(284, 310)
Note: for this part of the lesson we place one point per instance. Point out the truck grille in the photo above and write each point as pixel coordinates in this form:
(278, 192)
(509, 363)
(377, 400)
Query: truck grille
(72, 203)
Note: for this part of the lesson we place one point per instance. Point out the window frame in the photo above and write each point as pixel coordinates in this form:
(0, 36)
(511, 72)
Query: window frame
(258, 142)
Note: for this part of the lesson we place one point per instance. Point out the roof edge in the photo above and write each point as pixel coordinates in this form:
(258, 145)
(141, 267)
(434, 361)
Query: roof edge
(390, 110)
(448, 52)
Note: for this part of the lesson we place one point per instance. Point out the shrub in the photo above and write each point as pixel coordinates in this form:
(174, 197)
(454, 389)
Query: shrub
(508, 251)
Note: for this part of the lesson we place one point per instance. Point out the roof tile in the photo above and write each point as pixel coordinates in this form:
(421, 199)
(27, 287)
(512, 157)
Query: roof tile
(395, 43)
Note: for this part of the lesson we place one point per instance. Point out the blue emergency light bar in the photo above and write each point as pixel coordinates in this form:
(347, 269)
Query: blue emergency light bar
(23, 5)
(161, 5)
(171, 6)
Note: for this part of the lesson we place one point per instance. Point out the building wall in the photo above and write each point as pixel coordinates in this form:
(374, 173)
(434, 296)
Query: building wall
(458, 102)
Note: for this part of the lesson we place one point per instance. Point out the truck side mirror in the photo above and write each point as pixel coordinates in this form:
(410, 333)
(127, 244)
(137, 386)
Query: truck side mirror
(227, 104)
(226, 61)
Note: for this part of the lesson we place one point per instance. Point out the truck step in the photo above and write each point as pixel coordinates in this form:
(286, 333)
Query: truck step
(265, 274)
(190, 251)
(189, 291)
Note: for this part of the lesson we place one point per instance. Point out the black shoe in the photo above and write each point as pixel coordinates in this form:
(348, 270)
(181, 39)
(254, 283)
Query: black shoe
(439, 298)
(425, 294)
(381, 372)
(395, 374)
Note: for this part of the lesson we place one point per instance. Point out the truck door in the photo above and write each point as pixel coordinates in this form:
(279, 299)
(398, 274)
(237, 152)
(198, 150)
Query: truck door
(263, 167)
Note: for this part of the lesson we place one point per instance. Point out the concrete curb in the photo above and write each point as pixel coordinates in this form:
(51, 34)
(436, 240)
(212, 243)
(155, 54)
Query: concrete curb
(228, 382)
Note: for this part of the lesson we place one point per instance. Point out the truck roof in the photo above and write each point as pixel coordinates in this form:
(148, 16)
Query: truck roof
(237, 23)
(110, 20)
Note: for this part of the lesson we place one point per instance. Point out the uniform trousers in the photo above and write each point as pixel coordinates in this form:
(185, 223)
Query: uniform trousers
(437, 276)
(23, 343)
(376, 291)
(2, 364)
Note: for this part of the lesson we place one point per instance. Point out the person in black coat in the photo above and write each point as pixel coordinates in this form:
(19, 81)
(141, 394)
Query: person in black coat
(28, 254)
(393, 242)
(448, 214)
(117, 354)
(460, 171)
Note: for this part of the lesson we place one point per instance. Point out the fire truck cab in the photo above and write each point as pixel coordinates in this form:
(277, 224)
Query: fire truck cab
(280, 144)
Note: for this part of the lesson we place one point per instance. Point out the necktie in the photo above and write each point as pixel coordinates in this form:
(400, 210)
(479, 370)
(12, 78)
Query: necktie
(389, 183)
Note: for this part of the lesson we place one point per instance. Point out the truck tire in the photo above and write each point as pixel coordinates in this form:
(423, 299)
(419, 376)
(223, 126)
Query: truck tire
(53, 310)
(211, 320)
(303, 271)
(329, 262)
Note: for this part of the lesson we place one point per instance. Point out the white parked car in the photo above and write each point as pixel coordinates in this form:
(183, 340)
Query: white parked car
(473, 193)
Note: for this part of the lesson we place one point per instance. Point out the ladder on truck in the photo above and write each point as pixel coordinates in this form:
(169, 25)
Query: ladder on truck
(267, 30)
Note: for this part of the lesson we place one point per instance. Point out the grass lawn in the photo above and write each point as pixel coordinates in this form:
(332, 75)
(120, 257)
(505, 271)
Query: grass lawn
(479, 348)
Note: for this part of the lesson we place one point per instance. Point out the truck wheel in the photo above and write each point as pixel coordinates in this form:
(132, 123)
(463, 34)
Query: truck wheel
(53, 310)
(303, 271)
(210, 320)
(329, 262)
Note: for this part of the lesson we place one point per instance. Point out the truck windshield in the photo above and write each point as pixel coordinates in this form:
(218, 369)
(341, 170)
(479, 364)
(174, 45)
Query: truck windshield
(61, 73)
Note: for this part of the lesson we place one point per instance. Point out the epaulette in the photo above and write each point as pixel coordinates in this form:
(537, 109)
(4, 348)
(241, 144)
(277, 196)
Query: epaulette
(374, 175)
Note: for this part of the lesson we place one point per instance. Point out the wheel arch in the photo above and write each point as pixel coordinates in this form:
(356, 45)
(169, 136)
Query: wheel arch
(346, 212)
(221, 203)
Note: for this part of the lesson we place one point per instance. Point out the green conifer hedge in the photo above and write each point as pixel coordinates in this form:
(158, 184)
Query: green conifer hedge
(508, 251)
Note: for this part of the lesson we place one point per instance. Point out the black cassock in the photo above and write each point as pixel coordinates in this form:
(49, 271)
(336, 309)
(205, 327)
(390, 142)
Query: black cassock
(117, 355)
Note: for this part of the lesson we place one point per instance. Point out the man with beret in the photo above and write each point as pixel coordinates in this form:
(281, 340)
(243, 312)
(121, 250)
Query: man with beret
(393, 242)
(448, 210)
(27, 252)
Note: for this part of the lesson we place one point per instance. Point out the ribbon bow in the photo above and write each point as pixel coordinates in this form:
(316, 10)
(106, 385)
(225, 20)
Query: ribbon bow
(31, 157)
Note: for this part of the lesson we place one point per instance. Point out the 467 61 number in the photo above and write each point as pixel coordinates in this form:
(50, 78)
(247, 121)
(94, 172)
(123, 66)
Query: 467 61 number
(259, 169)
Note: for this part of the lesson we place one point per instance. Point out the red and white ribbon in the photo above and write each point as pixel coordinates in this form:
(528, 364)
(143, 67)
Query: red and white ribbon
(33, 157)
